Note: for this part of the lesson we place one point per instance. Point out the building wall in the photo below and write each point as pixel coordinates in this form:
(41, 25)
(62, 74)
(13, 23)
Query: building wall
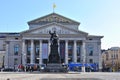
(67, 34)
(111, 58)
(2, 44)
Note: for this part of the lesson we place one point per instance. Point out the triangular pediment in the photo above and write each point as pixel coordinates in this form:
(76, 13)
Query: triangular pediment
(53, 17)
(60, 29)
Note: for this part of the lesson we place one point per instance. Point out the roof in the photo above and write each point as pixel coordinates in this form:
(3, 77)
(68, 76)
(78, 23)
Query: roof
(53, 17)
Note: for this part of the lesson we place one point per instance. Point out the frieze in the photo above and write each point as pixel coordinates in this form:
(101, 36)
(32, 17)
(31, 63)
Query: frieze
(54, 18)
(58, 30)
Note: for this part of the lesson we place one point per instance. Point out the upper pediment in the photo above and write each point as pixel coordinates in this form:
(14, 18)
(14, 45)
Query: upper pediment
(60, 29)
(53, 17)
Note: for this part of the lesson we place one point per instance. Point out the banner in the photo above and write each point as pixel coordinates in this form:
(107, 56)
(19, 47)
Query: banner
(62, 50)
(44, 51)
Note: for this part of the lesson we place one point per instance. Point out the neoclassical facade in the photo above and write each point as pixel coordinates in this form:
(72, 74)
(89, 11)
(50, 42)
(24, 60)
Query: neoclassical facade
(32, 46)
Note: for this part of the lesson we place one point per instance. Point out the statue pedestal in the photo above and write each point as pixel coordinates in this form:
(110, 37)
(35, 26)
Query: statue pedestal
(54, 56)
(55, 67)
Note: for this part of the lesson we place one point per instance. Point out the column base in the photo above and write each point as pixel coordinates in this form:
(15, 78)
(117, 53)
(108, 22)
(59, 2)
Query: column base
(83, 68)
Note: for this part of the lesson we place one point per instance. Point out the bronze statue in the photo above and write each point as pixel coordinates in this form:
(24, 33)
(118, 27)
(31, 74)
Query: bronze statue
(53, 38)
(54, 56)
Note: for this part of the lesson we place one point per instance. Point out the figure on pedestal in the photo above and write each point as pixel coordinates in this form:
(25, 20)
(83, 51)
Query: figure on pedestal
(54, 56)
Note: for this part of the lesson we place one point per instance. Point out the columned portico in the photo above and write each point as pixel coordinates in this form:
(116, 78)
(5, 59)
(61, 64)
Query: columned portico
(41, 41)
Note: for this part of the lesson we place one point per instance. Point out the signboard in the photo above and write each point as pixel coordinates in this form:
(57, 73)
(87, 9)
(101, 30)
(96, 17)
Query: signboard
(44, 51)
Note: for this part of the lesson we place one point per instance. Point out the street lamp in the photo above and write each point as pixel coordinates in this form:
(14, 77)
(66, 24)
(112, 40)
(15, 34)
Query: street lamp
(3, 62)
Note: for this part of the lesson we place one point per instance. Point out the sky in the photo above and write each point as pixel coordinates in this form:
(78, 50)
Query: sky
(97, 17)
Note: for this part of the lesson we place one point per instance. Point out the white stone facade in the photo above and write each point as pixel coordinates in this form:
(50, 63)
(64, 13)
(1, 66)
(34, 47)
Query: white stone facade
(33, 46)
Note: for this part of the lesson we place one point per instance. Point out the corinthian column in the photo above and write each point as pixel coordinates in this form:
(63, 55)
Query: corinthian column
(75, 51)
(32, 52)
(7, 55)
(66, 52)
(83, 55)
(40, 52)
(23, 53)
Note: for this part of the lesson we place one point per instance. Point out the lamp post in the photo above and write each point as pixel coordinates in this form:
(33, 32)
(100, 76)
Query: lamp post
(3, 62)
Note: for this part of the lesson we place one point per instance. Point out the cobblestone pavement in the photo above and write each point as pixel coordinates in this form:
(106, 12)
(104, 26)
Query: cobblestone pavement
(59, 76)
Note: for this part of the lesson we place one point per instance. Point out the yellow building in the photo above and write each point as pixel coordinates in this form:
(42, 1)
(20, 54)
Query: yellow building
(111, 59)
(2, 54)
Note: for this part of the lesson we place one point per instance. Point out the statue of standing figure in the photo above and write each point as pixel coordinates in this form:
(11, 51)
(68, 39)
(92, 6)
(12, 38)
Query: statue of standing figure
(53, 38)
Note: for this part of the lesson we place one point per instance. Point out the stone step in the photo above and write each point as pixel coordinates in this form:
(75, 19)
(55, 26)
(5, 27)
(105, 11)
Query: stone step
(54, 65)
(55, 68)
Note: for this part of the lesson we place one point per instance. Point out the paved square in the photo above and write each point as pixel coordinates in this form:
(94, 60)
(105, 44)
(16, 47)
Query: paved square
(71, 79)
(59, 76)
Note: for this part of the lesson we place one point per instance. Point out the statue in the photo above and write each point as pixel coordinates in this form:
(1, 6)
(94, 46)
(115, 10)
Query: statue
(54, 56)
(53, 38)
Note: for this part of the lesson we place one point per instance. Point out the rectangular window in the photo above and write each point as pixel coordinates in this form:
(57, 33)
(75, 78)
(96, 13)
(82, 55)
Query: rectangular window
(91, 60)
(91, 53)
(15, 61)
(70, 50)
(90, 50)
(28, 50)
(78, 50)
(37, 50)
(16, 49)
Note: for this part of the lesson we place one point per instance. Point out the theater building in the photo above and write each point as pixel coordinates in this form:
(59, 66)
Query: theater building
(32, 46)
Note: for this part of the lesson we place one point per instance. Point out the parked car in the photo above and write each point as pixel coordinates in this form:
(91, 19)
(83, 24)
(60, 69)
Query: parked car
(8, 70)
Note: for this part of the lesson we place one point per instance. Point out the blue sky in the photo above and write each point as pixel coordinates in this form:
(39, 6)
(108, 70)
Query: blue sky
(97, 17)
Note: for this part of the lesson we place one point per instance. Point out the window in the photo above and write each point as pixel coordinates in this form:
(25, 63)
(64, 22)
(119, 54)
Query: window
(91, 60)
(91, 53)
(90, 50)
(90, 39)
(78, 50)
(70, 50)
(28, 50)
(112, 56)
(28, 59)
(107, 55)
(16, 49)
(16, 38)
(15, 61)
(37, 50)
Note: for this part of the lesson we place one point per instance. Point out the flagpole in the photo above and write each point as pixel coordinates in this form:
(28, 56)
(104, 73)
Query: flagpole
(53, 9)
(54, 6)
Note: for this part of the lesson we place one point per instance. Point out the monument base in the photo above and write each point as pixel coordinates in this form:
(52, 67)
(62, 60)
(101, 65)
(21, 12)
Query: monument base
(54, 67)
